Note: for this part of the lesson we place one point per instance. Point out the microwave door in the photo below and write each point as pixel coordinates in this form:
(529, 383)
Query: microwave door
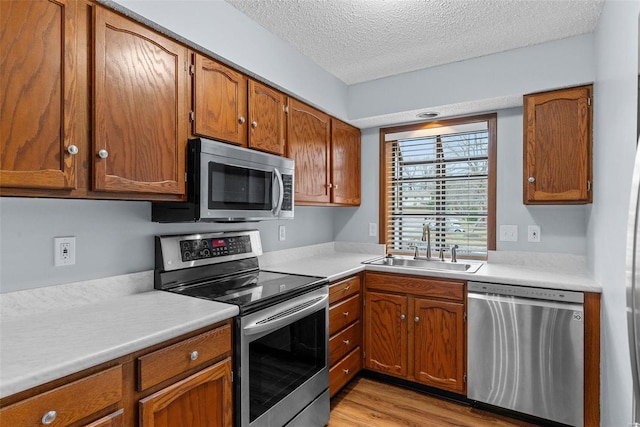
(277, 176)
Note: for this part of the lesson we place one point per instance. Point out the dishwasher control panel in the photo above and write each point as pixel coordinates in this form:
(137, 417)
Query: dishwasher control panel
(526, 292)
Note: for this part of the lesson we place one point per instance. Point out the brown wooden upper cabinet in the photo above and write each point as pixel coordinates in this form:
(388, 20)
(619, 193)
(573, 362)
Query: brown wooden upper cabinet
(327, 156)
(37, 74)
(124, 140)
(230, 107)
(557, 147)
(267, 118)
(345, 163)
(219, 101)
(309, 144)
(140, 118)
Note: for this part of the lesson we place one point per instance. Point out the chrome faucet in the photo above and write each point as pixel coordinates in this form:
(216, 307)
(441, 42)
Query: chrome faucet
(426, 237)
(454, 253)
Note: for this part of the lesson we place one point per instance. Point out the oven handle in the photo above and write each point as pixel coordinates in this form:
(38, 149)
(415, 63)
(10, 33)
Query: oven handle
(286, 316)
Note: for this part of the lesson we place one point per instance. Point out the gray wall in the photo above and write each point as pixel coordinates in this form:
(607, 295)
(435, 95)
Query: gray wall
(562, 228)
(113, 237)
(615, 116)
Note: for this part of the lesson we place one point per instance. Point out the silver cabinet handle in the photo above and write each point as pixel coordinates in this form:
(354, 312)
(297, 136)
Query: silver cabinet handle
(335, 187)
(346, 342)
(254, 124)
(329, 185)
(346, 371)
(346, 288)
(416, 319)
(346, 313)
(103, 154)
(49, 417)
(402, 317)
(241, 120)
(194, 355)
(531, 179)
(72, 149)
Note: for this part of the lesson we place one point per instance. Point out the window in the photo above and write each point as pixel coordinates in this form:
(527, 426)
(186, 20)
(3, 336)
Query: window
(439, 177)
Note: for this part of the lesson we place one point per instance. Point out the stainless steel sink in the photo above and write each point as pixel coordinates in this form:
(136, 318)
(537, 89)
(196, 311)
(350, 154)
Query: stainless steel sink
(403, 261)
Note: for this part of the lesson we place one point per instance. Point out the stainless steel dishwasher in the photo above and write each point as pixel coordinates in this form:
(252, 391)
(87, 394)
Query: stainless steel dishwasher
(526, 350)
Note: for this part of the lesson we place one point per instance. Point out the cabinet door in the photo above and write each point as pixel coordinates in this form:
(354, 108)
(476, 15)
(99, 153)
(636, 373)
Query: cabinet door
(308, 144)
(345, 163)
(203, 399)
(439, 346)
(557, 147)
(139, 108)
(266, 118)
(112, 420)
(37, 106)
(386, 333)
(220, 102)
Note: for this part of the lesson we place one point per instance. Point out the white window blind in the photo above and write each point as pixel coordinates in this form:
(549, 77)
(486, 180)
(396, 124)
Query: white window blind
(438, 178)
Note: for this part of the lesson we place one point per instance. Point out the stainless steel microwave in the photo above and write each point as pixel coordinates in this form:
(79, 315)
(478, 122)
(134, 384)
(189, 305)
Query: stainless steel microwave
(226, 183)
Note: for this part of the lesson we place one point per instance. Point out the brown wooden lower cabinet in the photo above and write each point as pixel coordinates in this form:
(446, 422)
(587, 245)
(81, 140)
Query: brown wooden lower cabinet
(345, 331)
(415, 329)
(112, 420)
(202, 399)
(194, 388)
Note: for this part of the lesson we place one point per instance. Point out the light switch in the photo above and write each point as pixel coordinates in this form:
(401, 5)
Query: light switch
(508, 233)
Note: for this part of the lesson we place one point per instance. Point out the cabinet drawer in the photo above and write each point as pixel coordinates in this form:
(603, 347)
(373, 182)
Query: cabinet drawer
(344, 371)
(344, 313)
(343, 342)
(168, 362)
(422, 286)
(344, 289)
(71, 402)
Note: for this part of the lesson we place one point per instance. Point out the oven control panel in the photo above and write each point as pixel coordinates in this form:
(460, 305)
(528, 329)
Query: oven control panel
(195, 249)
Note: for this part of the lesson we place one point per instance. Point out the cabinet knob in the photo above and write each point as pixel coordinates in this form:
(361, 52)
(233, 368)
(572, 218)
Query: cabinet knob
(254, 124)
(335, 187)
(194, 355)
(241, 120)
(531, 179)
(346, 288)
(329, 185)
(103, 154)
(346, 371)
(346, 342)
(416, 319)
(402, 317)
(49, 417)
(346, 314)
(72, 149)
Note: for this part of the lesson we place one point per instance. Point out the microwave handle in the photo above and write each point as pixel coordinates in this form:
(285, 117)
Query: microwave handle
(278, 177)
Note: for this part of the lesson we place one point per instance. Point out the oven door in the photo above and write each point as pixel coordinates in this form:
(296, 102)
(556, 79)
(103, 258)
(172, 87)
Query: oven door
(283, 363)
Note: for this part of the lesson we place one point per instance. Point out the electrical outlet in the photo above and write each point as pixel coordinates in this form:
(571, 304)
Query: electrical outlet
(508, 233)
(281, 233)
(373, 229)
(533, 233)
(64, 251)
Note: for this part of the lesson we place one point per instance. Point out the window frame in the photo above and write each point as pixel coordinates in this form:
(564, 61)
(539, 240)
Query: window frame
(491, 120)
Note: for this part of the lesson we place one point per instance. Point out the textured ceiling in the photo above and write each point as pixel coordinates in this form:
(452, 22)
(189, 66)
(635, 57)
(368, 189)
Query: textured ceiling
(362, 40)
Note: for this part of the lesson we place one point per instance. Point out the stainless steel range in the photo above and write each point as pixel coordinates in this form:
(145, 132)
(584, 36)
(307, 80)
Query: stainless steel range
(281, 374)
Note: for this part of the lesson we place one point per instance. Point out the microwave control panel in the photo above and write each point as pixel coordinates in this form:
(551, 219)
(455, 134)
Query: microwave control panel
(287, 183)
(195, 249)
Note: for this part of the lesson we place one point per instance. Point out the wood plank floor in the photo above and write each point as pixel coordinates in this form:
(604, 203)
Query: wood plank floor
(368, 403)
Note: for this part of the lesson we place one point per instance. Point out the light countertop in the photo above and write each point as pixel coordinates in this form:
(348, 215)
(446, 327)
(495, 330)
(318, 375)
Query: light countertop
(48, 333)
(38, 348)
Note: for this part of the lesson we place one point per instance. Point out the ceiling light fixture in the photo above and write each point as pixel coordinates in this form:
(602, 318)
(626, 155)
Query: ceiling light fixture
(427, 115)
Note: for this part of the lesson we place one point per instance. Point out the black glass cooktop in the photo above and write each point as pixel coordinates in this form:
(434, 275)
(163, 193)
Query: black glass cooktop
(254, 290)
